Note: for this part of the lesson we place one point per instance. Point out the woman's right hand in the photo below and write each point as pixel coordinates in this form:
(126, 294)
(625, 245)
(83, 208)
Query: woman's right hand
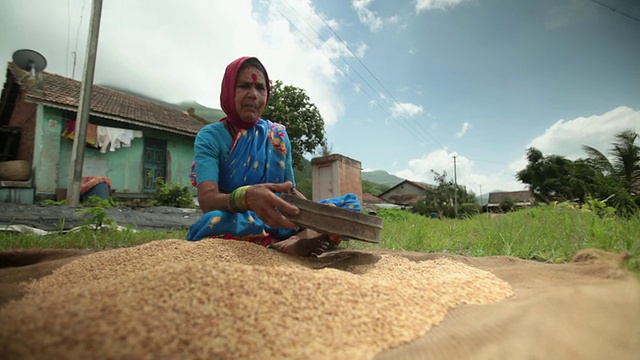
(261, 200)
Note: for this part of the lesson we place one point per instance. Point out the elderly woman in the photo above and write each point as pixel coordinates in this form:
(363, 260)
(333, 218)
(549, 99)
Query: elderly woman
(243, 163)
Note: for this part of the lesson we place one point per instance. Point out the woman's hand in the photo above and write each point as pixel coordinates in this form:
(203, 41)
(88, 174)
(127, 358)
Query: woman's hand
(261, 200)
(299, 194)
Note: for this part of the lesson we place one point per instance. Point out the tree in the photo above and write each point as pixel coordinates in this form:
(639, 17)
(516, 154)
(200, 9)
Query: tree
(555, 178)
(302, 175)
(548, 177)
(440, 199)
(626, 160)
(325, 149)
(370, 187)
(291, 107)
(618, 179)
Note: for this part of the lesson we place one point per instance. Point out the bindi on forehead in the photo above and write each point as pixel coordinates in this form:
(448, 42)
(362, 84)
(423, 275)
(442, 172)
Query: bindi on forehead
(254, 78)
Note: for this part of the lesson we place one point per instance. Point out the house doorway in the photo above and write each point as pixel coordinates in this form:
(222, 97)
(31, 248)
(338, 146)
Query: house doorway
(154, 163)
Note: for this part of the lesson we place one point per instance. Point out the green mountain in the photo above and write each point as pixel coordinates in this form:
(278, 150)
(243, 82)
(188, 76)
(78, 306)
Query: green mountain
(381, 177)
(210, 114)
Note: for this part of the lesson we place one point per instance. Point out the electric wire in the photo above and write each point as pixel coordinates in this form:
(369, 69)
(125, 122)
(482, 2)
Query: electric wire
(374, 99)
(66, 62)
(84, 2)
(616, 11)
(370, 72)
(401, 115)
(342, 71)
(399, 118)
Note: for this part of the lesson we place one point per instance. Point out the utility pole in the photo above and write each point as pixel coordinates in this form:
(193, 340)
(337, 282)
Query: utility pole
(481, 199)
(455, 189)
(84, 107)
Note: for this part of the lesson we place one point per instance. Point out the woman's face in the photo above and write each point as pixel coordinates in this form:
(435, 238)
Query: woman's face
(250, 94)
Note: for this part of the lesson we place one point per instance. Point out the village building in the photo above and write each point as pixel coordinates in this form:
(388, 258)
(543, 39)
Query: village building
(130, 140)
(406, 193)
(519, 199)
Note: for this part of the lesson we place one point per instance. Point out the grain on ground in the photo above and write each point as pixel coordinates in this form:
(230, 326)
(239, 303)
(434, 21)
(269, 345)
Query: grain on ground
(228, 299)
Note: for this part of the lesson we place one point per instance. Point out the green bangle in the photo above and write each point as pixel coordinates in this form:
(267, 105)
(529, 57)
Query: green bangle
(238, 199)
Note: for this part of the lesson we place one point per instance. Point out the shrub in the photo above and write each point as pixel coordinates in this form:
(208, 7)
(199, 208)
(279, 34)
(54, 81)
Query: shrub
(176, 195)
(98, 211)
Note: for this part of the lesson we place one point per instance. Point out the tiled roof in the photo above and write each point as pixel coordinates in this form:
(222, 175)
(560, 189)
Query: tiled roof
(65, 92)
(420, 187)
(372, 199)
(406, 199)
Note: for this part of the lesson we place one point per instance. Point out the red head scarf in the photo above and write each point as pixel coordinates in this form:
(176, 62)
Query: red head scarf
(227, 94)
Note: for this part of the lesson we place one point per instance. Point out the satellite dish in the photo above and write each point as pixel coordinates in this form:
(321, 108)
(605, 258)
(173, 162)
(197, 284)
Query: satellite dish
(29, 60)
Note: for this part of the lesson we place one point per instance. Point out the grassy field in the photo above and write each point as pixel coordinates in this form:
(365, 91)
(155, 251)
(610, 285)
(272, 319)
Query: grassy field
(541, 233)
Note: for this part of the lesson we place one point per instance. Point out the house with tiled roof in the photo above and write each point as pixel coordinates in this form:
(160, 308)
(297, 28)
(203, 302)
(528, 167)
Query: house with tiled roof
(519, 199)
(37, 116)
(372, 204)
(406, 193)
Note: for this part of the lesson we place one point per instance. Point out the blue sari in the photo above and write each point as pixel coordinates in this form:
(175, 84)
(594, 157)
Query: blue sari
(257, 155)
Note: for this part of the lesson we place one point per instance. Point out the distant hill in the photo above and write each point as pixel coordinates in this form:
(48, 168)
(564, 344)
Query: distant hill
(381, 177)
(209, 114)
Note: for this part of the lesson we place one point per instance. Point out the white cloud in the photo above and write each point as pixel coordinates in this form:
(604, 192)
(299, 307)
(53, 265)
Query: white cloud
(361, 50)
(405, 109)
(180, 52)
(466, 126)
(369, 17)
(441, 160)
(566, 137)
(382, 96)
(436, 4)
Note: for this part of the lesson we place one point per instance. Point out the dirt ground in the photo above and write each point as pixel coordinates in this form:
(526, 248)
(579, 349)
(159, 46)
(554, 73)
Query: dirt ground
(587, 309)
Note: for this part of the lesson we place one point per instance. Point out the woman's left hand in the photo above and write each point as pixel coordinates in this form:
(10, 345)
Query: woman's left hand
(262, 201)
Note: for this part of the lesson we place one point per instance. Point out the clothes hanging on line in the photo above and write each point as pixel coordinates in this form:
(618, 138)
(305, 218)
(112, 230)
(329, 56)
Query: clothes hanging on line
(104, 137)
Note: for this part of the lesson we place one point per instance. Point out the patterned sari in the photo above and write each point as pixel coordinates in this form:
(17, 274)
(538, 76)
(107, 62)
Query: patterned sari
(257, 155)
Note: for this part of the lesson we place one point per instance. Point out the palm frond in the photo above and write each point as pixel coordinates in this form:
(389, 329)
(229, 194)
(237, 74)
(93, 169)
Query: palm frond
(599, 160)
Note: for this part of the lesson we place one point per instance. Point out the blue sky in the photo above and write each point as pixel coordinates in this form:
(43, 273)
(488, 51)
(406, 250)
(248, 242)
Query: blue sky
(403, 85)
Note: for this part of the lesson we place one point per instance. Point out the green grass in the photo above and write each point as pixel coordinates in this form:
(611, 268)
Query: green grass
(85, 239)
(540, 233)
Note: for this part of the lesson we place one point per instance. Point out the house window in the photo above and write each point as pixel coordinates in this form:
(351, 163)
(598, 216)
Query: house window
(154, 167)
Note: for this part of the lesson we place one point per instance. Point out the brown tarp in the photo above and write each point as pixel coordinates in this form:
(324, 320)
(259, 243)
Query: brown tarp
(586, 309)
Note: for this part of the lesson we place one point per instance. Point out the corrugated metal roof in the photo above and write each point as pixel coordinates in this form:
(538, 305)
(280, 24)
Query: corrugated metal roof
(523, 196)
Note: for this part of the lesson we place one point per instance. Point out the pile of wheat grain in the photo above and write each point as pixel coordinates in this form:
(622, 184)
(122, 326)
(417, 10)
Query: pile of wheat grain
(229, 299)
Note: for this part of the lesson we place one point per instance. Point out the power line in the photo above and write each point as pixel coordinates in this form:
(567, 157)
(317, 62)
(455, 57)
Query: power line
(367, 68)
(399, 117)
(66, 63)
(323, 39)
(75, 52)
(616, 10)
(342, 71)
